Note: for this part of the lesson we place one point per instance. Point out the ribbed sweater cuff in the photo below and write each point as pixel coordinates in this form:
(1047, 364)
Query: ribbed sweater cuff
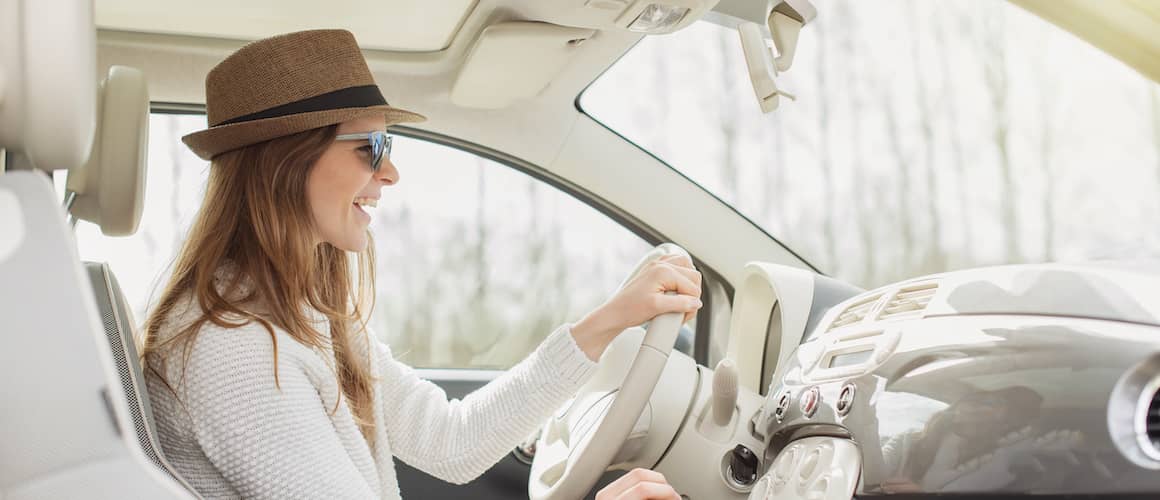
(565, 358)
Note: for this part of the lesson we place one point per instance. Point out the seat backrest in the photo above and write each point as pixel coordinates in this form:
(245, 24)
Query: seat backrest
(66, 430)
(118, 323)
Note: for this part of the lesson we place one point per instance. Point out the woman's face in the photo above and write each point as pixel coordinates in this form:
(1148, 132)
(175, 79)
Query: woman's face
(342, 190)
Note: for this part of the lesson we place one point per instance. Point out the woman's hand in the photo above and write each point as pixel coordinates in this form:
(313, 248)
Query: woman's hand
(639, 484)
(642, 298)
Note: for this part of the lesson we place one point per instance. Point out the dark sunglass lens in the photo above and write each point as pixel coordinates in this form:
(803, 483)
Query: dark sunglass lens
(376, 141)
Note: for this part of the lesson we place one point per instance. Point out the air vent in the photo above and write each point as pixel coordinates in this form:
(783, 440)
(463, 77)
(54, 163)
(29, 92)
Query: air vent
(856, 312)
(1152, 423)
(909, 301)
(1134, 414)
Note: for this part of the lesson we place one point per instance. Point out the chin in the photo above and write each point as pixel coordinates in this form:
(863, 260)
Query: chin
(350, 243)
(354, 244)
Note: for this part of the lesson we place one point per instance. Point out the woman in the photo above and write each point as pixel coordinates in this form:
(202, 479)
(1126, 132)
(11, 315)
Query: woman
(264, 379)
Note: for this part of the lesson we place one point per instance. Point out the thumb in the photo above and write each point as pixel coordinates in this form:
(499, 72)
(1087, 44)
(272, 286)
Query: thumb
(677, 303)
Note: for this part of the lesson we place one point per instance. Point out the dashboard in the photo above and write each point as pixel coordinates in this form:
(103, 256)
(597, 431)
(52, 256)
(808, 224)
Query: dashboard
(1012, 379)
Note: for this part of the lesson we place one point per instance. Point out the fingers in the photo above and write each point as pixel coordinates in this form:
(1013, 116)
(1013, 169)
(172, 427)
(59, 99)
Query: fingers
(693, 274)
(677, 303)
(670, 279)
(686, 282)
(624, 488)
(650, 491)
(681, 264)
(680, 260)
(681, 303)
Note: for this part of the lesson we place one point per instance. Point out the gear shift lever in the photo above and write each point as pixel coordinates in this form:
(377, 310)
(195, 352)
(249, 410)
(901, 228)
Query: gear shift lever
(724, 391)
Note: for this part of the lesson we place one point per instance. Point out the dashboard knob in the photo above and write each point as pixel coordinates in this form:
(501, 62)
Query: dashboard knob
(743, 466)
(845, 400)
(782, 406)
(810, 401)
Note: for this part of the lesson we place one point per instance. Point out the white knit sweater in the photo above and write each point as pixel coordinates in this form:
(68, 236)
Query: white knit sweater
(233, 434)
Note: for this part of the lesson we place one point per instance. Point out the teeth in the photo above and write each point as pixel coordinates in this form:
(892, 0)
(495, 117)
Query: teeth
(367, 202)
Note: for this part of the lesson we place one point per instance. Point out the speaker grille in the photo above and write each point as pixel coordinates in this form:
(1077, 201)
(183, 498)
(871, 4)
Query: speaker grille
(120, 344)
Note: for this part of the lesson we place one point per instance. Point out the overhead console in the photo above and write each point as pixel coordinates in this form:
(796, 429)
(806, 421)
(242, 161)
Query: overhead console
(650, 17)
(517, 59)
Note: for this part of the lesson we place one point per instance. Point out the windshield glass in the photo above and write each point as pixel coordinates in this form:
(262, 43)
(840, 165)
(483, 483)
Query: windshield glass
(925, 137)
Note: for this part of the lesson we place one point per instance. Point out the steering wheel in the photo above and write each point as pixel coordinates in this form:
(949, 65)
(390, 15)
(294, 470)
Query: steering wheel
(581, 439)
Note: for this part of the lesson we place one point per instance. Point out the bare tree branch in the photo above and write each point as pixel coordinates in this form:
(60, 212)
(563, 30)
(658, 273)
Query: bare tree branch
(825, 162)
(993, 38)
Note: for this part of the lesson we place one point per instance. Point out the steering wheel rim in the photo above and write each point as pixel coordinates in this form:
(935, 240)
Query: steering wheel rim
(579, 442)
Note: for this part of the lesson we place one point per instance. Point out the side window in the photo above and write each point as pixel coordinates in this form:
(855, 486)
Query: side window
(175, 185)
(476, 262)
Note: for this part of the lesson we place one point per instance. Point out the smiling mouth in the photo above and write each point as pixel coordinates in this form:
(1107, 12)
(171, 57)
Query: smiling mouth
(362, 204)
(363, 201)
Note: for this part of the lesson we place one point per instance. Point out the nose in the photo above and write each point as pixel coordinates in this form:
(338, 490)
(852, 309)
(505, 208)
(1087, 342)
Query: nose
(387, 174)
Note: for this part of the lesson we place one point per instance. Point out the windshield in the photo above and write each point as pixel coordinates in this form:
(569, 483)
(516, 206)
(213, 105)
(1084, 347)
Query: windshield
(925, 137)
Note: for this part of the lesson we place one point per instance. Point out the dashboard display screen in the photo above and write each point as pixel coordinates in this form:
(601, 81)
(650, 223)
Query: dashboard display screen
(850, 358)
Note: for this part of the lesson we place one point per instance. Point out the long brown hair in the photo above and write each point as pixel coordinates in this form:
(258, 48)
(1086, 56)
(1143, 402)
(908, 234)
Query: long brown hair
(255, 218)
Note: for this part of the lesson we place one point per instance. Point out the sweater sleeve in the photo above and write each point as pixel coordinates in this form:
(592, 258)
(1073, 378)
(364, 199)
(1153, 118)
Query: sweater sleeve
(267, 442)
(458, 440)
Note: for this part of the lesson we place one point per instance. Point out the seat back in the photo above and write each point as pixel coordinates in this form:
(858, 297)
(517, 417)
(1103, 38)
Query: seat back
(67, 429)
(117, 321)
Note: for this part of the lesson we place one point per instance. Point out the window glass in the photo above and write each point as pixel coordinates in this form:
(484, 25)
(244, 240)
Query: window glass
(476, 262)
(925, 137)
(174, 187)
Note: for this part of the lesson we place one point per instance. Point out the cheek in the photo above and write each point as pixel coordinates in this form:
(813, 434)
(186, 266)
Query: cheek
(319, 193)
(331, 188)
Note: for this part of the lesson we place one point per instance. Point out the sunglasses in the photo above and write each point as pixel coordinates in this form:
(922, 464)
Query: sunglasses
(380, 144)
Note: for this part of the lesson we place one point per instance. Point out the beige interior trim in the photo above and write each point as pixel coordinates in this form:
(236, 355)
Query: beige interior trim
(514, 61)
(397, 25)
(1128, 30)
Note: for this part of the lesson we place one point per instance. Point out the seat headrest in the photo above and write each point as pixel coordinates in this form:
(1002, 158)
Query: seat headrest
(48, 94)
(110, 188)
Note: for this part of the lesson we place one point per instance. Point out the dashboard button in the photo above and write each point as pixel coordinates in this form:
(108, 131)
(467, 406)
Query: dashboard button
(809, 402)
(845, 400)
(782, 406)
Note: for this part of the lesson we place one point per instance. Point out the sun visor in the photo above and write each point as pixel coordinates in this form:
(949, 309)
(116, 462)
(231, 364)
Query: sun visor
(513, 61)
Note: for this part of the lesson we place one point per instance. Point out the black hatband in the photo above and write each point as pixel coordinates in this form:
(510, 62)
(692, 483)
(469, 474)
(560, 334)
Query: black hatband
(350, 97)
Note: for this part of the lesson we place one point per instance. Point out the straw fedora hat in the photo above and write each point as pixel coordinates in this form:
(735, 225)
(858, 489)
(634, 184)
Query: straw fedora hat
(288, 84)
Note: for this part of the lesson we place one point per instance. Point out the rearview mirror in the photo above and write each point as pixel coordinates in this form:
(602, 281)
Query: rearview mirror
(783, 23)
